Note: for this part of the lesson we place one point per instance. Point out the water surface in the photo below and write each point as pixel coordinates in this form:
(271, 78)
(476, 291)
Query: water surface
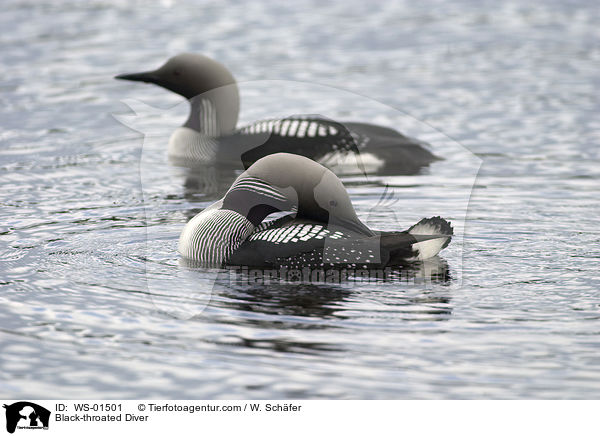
(91, 212)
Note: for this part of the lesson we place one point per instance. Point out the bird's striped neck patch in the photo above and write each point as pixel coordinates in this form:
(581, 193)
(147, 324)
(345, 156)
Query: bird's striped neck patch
(212, 236)
(257, 186)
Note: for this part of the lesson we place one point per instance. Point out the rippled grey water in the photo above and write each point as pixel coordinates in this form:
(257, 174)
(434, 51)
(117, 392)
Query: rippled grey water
(91, 212)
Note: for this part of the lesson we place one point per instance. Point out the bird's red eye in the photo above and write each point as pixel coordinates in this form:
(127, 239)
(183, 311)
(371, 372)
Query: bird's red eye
(176, 72)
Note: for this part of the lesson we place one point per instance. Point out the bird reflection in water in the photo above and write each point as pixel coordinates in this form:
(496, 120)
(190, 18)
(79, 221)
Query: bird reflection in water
(420, 293)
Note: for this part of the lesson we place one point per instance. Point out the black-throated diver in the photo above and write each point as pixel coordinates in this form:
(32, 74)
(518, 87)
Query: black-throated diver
(322, 230)
(210, 133)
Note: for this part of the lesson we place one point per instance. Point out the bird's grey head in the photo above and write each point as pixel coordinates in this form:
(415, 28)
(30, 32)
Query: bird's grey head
(197, 78)
(316, 191)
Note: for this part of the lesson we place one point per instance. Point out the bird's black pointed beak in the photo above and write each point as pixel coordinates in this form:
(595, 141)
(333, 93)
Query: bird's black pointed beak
(147, 76)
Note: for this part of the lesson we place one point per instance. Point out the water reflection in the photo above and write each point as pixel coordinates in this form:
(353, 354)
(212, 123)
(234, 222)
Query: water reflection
(207, 182)
(283, 299)
(273, 293)
(411, 294)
